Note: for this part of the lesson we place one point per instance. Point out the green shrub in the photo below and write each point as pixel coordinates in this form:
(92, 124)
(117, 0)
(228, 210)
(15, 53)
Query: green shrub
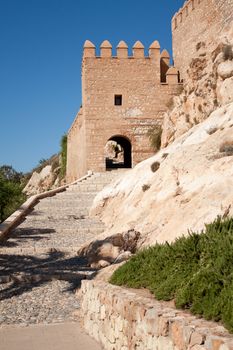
(154, 134)
(11, 196)
(63, 145)
(196, 271)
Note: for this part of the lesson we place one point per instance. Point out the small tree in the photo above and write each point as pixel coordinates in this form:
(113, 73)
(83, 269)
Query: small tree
(63, 145)
(11, 196)
(9, 173)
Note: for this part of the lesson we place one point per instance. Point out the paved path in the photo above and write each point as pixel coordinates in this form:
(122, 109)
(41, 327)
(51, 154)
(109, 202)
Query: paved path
(66, 336)
(39, 267)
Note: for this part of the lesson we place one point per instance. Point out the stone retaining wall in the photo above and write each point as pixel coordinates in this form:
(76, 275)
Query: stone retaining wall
(123, 319)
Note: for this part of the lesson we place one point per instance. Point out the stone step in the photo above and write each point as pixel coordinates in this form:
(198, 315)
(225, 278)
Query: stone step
(72, 193)
(86, 187)
(64, 205)
(47, 209)
(48, 227)
(84, 190)
(59, 214)
(64, 221)
(64, 199)
(81, 228)
(98, 180)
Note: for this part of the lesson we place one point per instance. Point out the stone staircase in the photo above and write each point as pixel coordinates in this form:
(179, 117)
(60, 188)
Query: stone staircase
(62, 222)
(39, 266)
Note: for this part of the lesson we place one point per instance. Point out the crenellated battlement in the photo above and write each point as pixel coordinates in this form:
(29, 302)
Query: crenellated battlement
(162, 70)
(155, 58)
(184, 13)
(122, 50)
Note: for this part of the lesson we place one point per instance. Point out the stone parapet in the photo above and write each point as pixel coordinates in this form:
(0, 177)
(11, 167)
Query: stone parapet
(89, 50)
(124, 319)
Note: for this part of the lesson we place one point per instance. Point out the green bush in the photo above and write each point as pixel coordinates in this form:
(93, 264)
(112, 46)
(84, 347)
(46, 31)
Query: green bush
(11, 196)
(63, 145)
(196, 271)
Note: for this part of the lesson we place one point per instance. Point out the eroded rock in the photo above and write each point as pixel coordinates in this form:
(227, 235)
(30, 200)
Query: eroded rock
(225, 69)
(116, 248)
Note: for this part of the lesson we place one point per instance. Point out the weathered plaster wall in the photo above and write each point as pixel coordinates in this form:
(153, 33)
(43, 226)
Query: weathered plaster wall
(122, 319)
(198, 21)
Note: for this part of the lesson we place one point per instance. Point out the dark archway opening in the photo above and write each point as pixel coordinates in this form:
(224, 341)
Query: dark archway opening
(118, 153)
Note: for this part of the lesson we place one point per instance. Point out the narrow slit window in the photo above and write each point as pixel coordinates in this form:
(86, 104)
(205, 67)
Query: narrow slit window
(118, 100)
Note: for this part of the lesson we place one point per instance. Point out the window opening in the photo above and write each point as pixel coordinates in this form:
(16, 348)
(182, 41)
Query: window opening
(118, 100)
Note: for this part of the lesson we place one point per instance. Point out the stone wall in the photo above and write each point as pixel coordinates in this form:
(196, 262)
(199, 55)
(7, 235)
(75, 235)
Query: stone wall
(123, 319)
(76, 149)
(198, 21)
(144, 99)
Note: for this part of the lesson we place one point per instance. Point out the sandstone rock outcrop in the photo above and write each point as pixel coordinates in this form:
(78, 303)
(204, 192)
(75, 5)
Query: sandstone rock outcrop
(192, 185)
(44, 178)
(208, 85)
(113, 249)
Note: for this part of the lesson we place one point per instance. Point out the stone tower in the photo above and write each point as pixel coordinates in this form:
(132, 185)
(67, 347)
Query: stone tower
(122, 98)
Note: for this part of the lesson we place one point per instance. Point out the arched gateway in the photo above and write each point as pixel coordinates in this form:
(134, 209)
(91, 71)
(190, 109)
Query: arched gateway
(118, 153)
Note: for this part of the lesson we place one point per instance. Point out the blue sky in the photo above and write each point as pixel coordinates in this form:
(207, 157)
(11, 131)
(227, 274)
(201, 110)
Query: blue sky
(40, 63)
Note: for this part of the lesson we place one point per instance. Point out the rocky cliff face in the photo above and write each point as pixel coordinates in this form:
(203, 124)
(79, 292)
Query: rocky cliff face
(189, 182)
(45, 177)
(209, 85)
(182, 187)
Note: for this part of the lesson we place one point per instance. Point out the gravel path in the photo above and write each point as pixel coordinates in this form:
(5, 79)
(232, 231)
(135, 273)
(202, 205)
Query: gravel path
(51, 302)
(39, 268)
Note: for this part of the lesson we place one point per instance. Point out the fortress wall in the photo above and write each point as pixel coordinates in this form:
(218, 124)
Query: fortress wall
(76, 149)
(144, 100)
(198, 21)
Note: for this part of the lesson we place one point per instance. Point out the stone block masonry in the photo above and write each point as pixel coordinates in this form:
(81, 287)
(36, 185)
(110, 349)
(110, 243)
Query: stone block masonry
(122, 97)
(198, 23)
(122, 319)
